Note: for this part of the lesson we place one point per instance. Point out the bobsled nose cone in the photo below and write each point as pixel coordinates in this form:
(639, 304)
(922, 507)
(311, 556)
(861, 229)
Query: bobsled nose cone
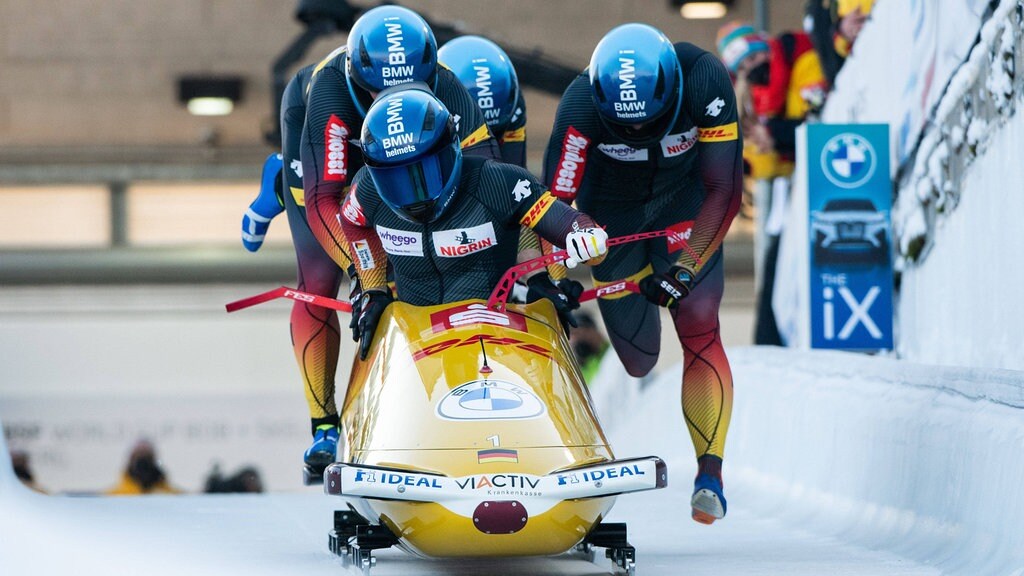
(500, 517)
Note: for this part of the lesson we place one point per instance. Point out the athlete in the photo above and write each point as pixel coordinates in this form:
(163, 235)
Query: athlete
(448, 225)
(487, 72)
(321, 114)
(646, 139)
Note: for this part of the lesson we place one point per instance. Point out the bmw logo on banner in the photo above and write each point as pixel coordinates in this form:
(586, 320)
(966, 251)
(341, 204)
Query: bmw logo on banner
(848, 160)
(490, 400)
(850, 199)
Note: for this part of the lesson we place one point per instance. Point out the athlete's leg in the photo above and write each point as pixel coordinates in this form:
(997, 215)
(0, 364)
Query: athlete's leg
(632, 323)
(315, 331)
(707, 378)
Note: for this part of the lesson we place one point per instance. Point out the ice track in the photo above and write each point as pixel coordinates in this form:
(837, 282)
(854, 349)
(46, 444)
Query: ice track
(838, 464)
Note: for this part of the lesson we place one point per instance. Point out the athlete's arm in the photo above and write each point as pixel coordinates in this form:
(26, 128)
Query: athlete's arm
(356, 222)
(573, 135)
(709, 99)
(513, 139)
(326, 154)
(516, 197)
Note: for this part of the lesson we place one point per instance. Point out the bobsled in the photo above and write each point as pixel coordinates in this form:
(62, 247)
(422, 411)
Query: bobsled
(468, 430)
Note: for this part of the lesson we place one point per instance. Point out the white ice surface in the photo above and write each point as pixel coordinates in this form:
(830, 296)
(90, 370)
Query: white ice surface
(836, 466)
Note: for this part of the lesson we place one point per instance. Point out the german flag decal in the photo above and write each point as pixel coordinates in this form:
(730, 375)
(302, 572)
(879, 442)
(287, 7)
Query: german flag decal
(497, 455)
(718, 133)
(538, 210)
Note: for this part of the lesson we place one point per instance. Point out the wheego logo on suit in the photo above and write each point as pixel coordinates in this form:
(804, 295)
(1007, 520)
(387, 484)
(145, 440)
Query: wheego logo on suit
(336, 149)
(400, 242)
(623, 152)
(570, 165)
(464, 241)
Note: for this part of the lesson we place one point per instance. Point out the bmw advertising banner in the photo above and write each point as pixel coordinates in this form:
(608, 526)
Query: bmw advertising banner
(849, 200)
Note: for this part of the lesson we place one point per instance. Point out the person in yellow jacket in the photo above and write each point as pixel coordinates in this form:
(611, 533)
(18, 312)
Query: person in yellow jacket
(834, 26)
(779, 81)
(143, 474)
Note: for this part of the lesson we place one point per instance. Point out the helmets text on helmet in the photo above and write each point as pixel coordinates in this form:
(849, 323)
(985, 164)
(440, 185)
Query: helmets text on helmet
(398, 141)
(397, 71)
(628, 106)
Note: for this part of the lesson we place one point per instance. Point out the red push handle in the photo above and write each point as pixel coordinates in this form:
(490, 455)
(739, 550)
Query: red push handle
(290, 293)
(499, 297)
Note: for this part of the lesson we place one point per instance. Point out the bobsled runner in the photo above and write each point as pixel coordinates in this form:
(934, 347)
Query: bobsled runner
(469, 431)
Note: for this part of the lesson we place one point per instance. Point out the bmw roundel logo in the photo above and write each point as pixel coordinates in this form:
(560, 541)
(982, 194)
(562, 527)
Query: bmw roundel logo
(490, 400)
(848, 160)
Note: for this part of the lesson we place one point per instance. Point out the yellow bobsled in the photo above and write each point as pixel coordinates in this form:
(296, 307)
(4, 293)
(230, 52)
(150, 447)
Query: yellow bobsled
(469, 431)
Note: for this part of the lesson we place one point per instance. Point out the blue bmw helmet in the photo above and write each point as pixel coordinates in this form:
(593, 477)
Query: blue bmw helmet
(637, 83)
(486, 71)
(387, 46)
(411, 150)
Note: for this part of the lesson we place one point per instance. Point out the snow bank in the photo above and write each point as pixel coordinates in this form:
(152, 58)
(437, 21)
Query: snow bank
(917, 460)
(953, 106)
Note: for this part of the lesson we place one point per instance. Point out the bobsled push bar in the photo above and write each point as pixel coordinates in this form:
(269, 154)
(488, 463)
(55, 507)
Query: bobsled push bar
(498, 298)
(605, 479)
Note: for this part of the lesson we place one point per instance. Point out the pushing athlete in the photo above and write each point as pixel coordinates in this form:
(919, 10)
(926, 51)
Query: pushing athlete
(322, 112)
(647, 139)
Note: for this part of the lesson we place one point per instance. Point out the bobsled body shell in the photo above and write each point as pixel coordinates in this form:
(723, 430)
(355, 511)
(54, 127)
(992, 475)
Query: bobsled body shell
(424, 401)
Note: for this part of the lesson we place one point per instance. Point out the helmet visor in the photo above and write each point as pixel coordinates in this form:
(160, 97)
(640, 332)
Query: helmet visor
(413, 189)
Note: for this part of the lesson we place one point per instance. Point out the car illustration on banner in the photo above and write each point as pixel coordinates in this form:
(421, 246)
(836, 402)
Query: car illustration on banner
(850, 230)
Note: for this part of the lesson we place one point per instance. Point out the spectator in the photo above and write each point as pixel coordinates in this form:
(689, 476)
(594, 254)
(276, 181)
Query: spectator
(783, 83)
(143, 474)
(834, 26)
(588, 344)
(778, 82)
(247, 479)
(20, 463)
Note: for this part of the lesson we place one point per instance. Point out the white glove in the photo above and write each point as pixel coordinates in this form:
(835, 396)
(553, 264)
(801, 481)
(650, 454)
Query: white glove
(586, 245)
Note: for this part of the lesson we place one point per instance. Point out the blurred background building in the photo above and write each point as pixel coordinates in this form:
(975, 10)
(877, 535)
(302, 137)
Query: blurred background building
(98, 148)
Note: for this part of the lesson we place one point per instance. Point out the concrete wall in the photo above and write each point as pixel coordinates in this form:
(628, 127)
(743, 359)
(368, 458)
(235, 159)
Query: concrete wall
(80, 77)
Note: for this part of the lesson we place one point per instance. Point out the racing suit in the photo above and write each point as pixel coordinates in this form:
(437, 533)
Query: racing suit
(691, 182)
(463, 253)
(320, 124)
(512, 140)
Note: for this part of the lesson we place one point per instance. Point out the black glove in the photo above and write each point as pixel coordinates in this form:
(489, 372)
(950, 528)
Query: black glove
(565, 295)
(373, 303)
(355, 292)
(668, 288)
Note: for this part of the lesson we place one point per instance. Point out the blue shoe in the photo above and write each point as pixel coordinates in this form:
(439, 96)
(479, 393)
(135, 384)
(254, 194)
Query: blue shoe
(268, 204)
(324, 448)
(708, 501)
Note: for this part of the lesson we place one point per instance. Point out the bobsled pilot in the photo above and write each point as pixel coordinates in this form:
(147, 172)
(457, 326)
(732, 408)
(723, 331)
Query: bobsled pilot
(448, 224)
(322, 112)
(647, 139)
